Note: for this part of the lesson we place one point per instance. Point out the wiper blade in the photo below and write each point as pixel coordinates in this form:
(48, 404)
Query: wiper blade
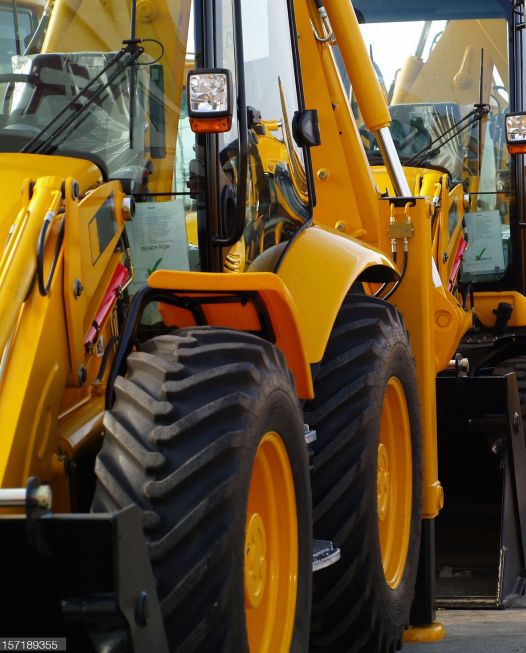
(36, 146)
(478, 112)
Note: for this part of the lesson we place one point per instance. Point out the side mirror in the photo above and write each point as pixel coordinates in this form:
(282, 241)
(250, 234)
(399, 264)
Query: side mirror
(209, 94)
(516, 132)
(306, 128)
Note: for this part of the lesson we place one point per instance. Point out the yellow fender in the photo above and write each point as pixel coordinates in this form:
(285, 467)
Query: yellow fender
(301, 301)
(319, 268)
(250, 302)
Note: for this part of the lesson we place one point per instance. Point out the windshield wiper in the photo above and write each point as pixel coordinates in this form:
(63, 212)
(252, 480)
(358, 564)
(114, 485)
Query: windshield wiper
(478, 112)
(121, 63)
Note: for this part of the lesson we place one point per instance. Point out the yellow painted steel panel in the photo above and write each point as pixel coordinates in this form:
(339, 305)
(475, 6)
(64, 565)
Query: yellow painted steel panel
(276, 297)
(318, 269)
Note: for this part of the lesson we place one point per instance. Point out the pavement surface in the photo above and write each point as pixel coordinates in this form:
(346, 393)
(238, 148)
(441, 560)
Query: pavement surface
(479, 631)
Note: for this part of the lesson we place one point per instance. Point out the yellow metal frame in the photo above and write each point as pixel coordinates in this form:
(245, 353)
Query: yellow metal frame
(50, 405)
(346, 194)
(277, 299)
(85, 263)
(303, 299)
(318, 269)
(486, 302)
(432, 633)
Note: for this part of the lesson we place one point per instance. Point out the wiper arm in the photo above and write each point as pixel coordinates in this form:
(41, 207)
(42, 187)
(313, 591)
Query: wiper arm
(475, 115)
(131, 48)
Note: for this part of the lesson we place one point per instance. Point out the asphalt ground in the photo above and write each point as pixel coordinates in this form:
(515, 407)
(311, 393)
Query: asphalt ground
(479, 631)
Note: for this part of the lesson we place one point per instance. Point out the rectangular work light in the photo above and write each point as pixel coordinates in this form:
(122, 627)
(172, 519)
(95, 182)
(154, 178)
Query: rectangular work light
(209, 93)
(516, 132)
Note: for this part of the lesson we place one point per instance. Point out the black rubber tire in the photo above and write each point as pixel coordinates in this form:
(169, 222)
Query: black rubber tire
(353, 607)
(180, 443)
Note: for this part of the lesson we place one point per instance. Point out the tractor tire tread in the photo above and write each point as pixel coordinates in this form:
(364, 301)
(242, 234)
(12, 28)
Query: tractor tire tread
(173, 447)
(348, 609)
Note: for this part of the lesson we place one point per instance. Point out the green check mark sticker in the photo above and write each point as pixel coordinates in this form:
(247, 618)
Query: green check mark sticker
(156, 265)
(479, 255)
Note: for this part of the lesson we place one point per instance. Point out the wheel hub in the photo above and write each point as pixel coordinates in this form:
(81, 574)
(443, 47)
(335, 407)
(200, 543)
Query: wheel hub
(383, 482)
(255, 560)
(271, 549)
(394, 483)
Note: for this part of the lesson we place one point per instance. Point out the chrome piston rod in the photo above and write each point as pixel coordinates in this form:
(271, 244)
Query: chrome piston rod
(17, 497)
(392, 162)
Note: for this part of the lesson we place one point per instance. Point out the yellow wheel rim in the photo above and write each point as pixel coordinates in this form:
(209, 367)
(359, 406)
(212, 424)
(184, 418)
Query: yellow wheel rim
(394, 483)
(271, 550)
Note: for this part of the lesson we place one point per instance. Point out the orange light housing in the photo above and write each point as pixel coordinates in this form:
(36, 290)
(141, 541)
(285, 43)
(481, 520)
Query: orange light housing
(211, 125)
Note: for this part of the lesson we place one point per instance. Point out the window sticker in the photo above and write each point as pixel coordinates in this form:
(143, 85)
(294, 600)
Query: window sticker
(157, 236)
(484, 253)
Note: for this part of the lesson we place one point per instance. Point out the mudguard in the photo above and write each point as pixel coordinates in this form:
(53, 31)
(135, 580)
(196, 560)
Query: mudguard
(319, 268)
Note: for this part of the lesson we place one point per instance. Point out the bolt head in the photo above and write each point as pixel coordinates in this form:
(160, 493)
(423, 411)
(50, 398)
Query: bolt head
(78, 288)
(83, 375)
(516, 423)
(142, 609)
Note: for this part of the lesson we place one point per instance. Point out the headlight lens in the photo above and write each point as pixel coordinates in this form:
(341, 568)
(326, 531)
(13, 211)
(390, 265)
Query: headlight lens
(208, 93)
(516, 128)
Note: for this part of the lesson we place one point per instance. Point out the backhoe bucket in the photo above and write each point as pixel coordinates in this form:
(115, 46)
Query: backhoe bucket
(481, 532)
(83, 577)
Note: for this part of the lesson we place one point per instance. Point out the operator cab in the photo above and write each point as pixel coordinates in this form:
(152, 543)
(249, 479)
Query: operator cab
(447, 85)
(117, 98)
(447, 71)
(94, 124)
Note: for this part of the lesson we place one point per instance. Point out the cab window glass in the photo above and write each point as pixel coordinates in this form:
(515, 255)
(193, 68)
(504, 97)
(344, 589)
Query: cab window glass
(9, 44)
(277, 198)
(448, 61)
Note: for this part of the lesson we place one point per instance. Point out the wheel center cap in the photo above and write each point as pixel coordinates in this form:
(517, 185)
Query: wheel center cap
(255, 561)
(383, 482)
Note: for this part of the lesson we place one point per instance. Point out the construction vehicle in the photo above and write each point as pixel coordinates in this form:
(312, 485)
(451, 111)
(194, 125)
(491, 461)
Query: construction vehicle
(226, 334)
(450, 83)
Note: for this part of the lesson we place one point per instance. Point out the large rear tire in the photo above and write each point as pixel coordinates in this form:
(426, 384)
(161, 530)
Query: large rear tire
(206, 437)
(366, 480)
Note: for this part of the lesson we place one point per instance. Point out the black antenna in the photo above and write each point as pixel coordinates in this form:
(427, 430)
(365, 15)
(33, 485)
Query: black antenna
(481, 81)
(481, 98)
(133, 72)
(133, 20)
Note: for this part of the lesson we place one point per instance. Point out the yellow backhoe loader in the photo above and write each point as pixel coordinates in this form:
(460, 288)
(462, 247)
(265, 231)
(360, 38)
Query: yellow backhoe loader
(451, 82)
(248, 313)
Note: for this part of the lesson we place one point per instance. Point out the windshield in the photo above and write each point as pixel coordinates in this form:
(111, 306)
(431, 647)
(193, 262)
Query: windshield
(16, 28)
(69, 91)
(445, 74)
